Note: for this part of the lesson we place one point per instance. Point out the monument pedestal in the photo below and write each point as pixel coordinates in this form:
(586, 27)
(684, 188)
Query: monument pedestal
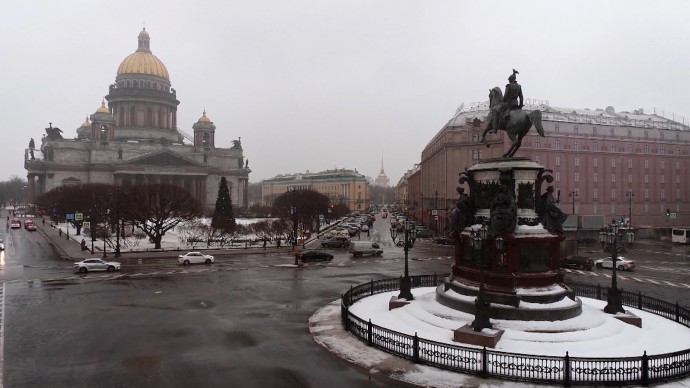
(485, 338)
(394, 303)
(629, 318)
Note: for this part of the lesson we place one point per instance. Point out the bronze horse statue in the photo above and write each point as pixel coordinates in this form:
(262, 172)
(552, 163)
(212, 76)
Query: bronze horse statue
(517, 125)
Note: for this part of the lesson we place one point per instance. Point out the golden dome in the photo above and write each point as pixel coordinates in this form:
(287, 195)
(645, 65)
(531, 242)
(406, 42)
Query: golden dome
(143, 61)
(87, 123)
(203, 118)
(103, 108)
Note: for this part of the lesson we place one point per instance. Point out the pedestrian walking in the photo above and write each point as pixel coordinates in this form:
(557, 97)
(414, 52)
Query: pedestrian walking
(264, 244)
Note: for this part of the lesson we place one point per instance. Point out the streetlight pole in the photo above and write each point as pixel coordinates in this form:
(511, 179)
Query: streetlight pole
(630, 196)
(609, 241)
(436, 216)
(293, 210)
(574, 194)
(405, 281)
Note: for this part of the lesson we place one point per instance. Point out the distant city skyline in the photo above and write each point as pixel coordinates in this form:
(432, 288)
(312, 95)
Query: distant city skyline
(315, 85)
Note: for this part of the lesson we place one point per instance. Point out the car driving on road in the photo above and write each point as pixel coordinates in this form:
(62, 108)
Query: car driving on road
(622, 264)
(96, 265)
(195, 258)
(316, 256)
(576, 261)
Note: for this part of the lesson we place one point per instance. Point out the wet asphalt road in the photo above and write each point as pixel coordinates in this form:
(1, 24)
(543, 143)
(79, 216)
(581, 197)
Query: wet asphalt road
(240, 322)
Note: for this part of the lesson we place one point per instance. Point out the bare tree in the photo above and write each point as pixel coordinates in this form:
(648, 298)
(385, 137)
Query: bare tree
(157, 208)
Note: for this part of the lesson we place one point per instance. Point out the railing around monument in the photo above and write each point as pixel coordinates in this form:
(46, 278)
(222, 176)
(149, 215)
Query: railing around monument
(566, 370)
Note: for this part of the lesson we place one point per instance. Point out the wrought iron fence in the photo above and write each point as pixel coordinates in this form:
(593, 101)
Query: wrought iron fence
(566, 370)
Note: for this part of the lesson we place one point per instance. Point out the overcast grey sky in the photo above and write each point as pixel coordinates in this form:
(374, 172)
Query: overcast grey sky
(313, 85)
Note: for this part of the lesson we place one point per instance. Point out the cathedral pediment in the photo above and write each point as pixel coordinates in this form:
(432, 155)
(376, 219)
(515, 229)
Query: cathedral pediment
(160, 159)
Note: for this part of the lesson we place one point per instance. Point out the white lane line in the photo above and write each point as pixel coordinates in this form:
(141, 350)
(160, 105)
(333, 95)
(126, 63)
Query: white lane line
(685, 285)
(652, 281)
(636, 279)
(670, 284)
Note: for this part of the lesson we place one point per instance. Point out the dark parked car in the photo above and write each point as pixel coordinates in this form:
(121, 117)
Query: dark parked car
(444, 240)
(421, 233)
(579, 262)
(584, 240)
(335, 242)
(316, 256)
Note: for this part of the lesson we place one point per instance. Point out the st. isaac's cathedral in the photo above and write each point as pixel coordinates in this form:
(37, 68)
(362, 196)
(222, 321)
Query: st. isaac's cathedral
(133, 138)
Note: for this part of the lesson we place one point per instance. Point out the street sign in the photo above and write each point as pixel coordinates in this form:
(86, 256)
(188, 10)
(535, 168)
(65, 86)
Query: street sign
(673, 216)
(78, 216)
(69, 216)
(434, 212)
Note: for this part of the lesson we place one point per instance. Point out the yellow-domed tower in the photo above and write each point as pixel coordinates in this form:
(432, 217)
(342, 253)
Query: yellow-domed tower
(204, 132)
(141, 99)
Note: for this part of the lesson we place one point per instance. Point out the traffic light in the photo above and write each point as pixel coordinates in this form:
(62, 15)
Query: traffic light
(668, 212)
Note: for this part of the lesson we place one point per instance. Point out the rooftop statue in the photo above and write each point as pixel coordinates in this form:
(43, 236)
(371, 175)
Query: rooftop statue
(507, 115)
(54, 133)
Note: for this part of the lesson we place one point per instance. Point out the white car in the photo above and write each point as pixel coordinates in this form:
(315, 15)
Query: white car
(622, 264)
(96, 265)
(195, 257)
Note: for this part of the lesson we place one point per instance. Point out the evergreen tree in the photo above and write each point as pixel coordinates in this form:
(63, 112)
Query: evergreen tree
(223, 217)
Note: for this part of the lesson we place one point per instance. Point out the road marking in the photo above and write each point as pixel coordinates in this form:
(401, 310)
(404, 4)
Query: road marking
(636, 279)
(686, 285)
(653, 281)
(670, 284)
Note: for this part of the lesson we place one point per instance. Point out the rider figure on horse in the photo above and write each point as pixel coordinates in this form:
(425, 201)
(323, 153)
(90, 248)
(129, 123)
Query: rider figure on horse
(512, 99)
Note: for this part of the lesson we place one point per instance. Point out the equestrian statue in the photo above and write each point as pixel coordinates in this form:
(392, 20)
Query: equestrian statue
(506, 114)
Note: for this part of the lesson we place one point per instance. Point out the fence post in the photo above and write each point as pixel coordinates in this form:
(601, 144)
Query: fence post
(639, 300)
(677, 312)
(371, 287)
(598, 291)
(435, 280)
(350, 298)
(369, 333)
(415, 348)
(645, 369)
(566, 370)
(485, 363)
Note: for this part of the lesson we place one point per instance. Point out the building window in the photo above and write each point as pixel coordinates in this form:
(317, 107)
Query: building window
(475, 137)
(677, 136)
(613, 178)
(576, 129)
(537, 144)
(577, 161)
(613, 163)
(677, 178)
(577, 177)
(646, 193)
(662, 150)
(677, 165)
(662, 179)
(629, 132)
(646, 163)
(677, 194)
(629, 148)
(646, 208)
(611, 131)
(595, 193)
(645, 149)
(576, 145)
(595, 146)
(677, 150)
(595, 209)
(646, 178)
(557, 144)
(662, 194)
(475, 155)
(646, 134)
(556, 128)
(536, 158)
(595, 162)
(629, 178)
(558, 160)
(595, 177)
(613, 208)
(612, 148)
(594, 130)
(662, 164)
(557, 176)
(629, 163)
(661, 135)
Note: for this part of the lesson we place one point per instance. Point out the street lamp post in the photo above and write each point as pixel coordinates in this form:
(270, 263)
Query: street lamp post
(609, 241)
(630, 196)
(118, 191)
(482, 313)
(436, 216)
(405, 281)
(293, 210)
(574, 194)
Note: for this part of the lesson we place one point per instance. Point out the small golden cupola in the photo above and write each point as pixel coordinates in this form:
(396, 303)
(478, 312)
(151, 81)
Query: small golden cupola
(102, 124)
(204, 132)
(84, 131)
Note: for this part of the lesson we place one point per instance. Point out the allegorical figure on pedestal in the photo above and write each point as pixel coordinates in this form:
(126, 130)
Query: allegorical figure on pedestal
(550, 214)
(462, 215)
(503, 212)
